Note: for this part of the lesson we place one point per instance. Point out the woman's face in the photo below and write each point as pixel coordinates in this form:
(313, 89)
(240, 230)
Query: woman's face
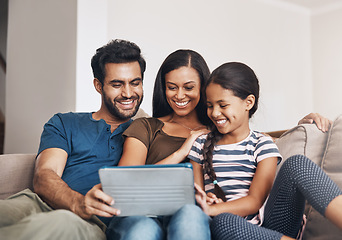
(183, 90)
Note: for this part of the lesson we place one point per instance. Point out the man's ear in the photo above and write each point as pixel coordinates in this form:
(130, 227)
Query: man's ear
(98, 85)
(250, 101)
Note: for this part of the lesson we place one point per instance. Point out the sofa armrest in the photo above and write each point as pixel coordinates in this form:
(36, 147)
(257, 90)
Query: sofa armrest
(276, 134)
(16, 173)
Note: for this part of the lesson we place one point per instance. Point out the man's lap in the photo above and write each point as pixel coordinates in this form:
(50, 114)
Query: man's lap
(25, 215)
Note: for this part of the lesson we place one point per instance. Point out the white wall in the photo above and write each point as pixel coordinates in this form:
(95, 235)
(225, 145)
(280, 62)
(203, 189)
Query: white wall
(41, 68)
(327, 62)
(50, 44)
(91, 34)
(274, 40)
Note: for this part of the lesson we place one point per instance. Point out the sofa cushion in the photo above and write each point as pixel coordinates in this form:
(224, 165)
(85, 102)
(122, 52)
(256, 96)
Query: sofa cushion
(319, 227)
(332, 159)
(305, 139)
(16, 173)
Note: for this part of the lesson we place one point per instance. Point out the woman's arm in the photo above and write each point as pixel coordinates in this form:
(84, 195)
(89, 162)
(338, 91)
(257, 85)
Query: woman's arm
(179, 155)
(260, 188)
(134, 152)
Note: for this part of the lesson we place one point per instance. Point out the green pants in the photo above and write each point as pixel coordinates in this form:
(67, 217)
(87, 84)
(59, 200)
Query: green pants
(25, 216)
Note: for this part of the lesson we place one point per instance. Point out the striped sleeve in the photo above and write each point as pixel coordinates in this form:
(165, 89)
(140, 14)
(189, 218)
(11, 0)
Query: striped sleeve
(196, 152)
(266, 148)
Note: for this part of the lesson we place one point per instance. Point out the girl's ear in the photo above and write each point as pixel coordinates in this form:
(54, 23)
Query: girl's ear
(250, 100)
(98, 85)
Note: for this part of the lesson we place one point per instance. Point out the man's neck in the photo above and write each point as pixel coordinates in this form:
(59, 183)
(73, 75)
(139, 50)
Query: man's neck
(111, 120)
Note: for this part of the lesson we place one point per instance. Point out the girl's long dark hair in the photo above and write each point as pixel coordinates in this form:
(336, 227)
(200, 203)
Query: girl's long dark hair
(213, 137)
(242, 81)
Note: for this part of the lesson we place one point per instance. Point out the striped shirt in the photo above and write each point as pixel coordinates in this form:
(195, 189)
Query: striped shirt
(235, 165)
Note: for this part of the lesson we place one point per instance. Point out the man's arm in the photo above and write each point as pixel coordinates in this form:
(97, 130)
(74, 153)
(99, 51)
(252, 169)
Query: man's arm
(53, 190)
(321, 122)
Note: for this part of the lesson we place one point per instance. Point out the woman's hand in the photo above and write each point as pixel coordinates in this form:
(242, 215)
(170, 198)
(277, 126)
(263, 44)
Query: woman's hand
(181, 154)
(186, 147)
(321, 122)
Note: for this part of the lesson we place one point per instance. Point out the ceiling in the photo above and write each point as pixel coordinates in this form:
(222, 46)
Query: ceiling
(316, 5)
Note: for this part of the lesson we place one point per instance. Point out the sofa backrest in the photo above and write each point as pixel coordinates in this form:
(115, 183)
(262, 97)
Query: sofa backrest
(305, 139)
(16, 173)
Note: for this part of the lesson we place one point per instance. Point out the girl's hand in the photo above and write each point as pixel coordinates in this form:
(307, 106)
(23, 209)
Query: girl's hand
(201, 199)
(212, 199)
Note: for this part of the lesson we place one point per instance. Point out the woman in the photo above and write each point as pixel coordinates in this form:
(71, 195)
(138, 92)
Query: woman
(179, 117)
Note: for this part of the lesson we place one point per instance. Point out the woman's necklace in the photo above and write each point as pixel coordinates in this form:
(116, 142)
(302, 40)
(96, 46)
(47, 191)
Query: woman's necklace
(191, 129)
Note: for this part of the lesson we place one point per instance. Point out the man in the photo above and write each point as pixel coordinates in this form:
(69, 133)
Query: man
(73, 147)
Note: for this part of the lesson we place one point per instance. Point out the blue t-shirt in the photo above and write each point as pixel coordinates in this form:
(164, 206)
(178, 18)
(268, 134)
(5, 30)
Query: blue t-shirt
(89, 144)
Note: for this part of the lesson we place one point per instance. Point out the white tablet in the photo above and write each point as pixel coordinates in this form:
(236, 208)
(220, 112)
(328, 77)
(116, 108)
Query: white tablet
(151, 190)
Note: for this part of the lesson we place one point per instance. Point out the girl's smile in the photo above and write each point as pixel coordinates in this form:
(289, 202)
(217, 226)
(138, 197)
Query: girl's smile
(229, 113)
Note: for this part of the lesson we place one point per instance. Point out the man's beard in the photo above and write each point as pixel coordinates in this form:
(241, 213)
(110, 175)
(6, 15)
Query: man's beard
(119, 113)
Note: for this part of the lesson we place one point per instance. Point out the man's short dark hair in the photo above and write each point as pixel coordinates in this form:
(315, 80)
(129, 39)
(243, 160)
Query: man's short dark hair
(116, 51)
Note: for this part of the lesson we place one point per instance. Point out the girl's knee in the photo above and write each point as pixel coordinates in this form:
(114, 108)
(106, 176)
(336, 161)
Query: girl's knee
(224, 219)
(226, 224)
(295, 160)
(296, 164)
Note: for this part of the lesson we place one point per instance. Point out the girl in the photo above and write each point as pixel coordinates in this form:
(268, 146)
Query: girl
(240, 166)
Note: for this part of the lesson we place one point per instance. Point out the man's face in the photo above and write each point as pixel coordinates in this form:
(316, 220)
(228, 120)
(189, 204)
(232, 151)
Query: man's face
(122, 90)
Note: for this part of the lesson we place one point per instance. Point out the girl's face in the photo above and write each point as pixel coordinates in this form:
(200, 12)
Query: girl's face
(229, 113)
(183, 88)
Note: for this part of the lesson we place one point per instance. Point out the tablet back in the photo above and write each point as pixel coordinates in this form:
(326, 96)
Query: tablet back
(154, 190)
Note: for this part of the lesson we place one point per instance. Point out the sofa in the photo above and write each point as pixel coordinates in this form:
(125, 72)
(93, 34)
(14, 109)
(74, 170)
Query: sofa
(16, 170)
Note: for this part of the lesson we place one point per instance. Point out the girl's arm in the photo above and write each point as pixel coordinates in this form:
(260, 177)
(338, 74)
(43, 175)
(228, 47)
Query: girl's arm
(260, 188)
(198, 174)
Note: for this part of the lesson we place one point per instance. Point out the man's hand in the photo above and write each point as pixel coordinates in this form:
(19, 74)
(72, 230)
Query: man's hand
(321, 122)
(53, 190)
(95, 202)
